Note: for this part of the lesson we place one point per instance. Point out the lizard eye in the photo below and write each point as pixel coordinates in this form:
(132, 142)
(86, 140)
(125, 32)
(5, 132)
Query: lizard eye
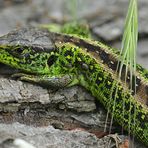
(16, 52)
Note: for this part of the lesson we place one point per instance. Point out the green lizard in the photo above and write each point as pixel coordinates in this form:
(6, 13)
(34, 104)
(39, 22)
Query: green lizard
(61, 60)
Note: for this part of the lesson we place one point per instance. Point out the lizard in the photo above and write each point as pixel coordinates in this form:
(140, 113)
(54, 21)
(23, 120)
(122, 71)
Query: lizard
(57, 60)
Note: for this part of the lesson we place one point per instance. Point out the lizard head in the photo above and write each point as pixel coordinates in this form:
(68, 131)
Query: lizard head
(28, 49)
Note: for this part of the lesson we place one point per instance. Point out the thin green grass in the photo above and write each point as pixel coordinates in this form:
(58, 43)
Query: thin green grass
(129, 40)
(72, 8)
(128, 49)
(128, 56)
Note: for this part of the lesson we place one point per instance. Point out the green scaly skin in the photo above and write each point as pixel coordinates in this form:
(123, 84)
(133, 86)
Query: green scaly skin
(66, 60)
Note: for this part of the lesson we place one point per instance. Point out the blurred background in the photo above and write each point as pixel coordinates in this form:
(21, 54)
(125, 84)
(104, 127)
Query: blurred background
(105, 18)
